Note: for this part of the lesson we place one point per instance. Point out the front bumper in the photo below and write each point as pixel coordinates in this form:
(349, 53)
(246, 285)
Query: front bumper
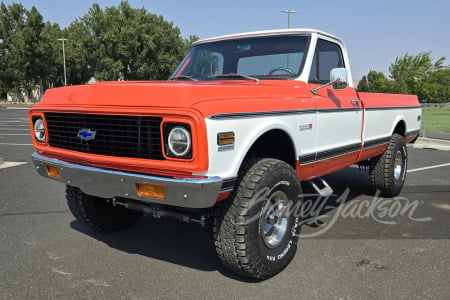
(181, 192)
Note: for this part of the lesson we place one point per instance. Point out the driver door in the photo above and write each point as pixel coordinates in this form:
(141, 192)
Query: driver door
(339, 113)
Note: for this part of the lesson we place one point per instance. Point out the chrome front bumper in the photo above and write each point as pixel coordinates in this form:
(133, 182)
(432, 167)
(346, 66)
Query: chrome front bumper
(184, 192)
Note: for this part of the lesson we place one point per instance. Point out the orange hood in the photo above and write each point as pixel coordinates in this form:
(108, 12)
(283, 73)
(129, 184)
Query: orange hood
(206, 97)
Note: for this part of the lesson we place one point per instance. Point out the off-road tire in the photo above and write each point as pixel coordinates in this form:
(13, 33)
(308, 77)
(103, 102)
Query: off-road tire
(241, 241)
(97, 213)
(387, 172)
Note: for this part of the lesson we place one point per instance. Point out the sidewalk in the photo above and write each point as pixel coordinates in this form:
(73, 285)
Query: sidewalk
(428, 143)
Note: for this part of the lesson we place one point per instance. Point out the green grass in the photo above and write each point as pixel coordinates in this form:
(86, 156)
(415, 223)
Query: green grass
(437, 119)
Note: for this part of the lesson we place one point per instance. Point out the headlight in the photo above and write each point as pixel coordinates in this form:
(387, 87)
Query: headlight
(179, 142)
(39, 130)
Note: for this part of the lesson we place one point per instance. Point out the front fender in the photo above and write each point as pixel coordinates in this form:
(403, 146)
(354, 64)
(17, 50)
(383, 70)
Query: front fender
(227, 162)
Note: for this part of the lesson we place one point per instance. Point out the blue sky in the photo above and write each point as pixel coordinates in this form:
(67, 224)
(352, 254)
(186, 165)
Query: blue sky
(376, 32)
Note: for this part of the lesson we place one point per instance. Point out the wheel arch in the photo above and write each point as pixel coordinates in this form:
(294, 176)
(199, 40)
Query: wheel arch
(400, 127)
(274, 143)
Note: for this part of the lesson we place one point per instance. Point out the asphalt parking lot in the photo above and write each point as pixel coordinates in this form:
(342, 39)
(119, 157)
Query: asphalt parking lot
(361, 247)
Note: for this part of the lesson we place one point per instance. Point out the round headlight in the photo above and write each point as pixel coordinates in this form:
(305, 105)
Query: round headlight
(39, 130)
(179, 141)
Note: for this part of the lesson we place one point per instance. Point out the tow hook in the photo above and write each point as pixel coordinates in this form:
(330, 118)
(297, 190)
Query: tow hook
(158, 212)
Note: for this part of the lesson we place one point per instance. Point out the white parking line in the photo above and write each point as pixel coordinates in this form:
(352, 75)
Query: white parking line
(14, 134)
(2, 128)
(13, 121)
(16, 108)
(427, 168)
(6, 124)
(9, 164)
(442, 206)
(11, 144)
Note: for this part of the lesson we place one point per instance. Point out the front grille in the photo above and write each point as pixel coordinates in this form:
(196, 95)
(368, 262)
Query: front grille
(123, 136)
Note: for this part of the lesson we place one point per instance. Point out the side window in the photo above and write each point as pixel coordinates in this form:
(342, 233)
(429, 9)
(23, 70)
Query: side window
(327, 56)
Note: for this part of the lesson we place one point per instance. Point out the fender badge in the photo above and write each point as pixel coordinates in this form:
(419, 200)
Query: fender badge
(86, 134)
(303, 127)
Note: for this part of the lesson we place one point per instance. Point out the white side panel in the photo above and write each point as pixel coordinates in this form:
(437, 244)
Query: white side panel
(338, 129)
(247, 130)
(381, 123)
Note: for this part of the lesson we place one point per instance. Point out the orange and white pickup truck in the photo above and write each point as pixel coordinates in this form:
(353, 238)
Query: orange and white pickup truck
(227, 138)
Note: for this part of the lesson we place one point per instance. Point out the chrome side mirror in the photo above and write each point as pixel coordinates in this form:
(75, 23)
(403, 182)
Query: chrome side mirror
(339, 79)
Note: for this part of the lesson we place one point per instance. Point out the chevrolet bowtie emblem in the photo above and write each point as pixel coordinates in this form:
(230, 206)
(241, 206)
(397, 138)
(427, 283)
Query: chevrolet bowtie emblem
(86, 134)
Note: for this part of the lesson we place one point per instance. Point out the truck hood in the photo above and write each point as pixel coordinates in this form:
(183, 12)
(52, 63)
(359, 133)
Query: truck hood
(206, 97)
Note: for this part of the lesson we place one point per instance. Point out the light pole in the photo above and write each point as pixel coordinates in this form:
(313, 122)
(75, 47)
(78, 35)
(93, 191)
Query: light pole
(64, 59)
(289, 12)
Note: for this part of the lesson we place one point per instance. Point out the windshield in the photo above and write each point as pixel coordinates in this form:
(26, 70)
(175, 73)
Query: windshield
(265, 58)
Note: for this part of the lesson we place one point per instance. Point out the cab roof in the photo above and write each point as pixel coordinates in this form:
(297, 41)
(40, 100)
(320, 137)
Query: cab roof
(274, 32)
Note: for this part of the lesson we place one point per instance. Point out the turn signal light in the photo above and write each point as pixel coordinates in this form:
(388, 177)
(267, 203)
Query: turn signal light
(225, 138)
(150, 190)
(53, 172)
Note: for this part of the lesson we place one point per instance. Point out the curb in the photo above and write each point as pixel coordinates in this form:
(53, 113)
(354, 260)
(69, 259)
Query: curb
(427, 143)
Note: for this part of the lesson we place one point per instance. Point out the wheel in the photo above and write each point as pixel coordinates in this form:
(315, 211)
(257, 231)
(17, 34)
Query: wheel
(97, 213)
(387, 172)
(257, 228)
(287, 70)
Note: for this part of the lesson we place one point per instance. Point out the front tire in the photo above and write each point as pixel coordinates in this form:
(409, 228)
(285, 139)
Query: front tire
(387, 172)
(257, 228)
(97, 213)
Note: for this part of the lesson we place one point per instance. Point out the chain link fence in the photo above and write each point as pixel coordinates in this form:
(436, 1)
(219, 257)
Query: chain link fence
(435, 120)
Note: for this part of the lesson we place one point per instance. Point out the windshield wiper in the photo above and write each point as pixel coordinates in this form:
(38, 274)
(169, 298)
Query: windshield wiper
(236, 76)
(183, 77)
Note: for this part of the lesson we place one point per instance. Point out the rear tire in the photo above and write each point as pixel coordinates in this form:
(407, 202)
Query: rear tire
(97, 213)
(258, 239)
(387, 172)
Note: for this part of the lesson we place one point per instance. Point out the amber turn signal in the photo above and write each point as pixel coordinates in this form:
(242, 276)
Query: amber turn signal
(53, 172)
(150, 190)
(225, 138)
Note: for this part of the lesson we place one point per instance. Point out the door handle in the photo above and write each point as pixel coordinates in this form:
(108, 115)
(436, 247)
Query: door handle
(354, 101)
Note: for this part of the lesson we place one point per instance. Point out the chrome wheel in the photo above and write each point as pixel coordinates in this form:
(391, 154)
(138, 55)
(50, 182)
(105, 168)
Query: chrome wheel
(398, 165)
(387, 172)
(275, 219)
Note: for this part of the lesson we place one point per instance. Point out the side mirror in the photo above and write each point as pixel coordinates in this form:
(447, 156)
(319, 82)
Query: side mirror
(339, 78)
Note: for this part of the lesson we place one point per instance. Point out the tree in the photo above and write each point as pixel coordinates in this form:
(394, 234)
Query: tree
(375, 82)
(122, 43)
(412, 74)
(438, 87)
(363, 85)
(51, 72)
(117, 43)
(12, 26)
(24, 55)
(80, 53)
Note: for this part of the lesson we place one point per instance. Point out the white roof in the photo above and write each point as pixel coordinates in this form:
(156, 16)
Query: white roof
(274, 32)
